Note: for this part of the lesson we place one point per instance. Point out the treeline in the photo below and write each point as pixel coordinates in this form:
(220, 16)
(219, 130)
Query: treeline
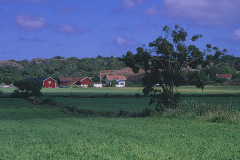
(227, 64)
(59, 67)
(73, 67)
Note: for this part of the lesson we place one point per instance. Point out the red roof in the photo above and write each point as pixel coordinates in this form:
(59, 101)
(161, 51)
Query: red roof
(224, 75)
(71, 81)
(114, 77)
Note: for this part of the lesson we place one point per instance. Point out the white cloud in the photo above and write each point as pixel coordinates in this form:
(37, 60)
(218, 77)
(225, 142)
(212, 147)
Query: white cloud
(70, 29)
(131, 3)
(152, 11)
(124, 42)
(30, 22)
(67, 29)
(236, 34)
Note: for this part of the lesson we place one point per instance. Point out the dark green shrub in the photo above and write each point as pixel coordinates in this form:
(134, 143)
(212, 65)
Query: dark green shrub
(122, 112)
(137, 95)
(27, 88)
(90, 85)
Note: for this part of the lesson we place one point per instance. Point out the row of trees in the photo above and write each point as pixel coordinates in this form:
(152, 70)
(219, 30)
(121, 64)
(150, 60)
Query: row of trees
(59, 67)
(74, 67)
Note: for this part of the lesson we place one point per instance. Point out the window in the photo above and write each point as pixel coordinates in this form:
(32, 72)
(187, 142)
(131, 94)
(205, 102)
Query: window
(49, 82)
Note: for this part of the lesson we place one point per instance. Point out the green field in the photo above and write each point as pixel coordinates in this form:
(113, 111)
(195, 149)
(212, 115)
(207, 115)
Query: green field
(136, 104)
(105, 104)
(131, 90)
(39, 132)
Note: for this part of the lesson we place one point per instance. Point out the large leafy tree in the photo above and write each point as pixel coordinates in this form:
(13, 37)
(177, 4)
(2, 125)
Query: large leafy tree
(168, 61)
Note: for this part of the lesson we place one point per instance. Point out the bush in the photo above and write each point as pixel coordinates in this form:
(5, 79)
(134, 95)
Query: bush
(206, 112)
(137, 95)
(90, 85)
(27, 88)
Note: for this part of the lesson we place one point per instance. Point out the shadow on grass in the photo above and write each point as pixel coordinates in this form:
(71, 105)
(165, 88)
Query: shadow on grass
(21, 109)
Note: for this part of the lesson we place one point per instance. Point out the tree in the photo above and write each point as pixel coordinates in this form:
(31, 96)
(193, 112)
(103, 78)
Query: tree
(27, 88)
(168, 61)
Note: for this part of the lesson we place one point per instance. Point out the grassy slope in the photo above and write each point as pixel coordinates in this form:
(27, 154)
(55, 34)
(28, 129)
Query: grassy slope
(39, 132)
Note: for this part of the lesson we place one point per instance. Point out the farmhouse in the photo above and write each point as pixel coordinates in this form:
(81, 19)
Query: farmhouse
(227, 76)
(120, 79)
(81, 81)
(127, 72)
(48, 82)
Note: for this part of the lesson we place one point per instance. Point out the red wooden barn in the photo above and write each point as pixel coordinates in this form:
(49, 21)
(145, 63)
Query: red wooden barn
(48, 82)
(81, 81)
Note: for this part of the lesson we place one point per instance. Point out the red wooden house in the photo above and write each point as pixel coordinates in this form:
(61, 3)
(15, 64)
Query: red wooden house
(81, 81)
(48, 82)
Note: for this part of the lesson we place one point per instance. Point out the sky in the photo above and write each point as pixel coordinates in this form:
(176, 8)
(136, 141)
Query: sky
(80, 28)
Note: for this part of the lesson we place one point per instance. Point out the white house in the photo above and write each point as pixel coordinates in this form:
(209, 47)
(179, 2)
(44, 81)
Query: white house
(120, 79)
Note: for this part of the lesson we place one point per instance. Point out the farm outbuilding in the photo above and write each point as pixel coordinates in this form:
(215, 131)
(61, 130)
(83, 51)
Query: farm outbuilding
(47, 82)
(81, 81)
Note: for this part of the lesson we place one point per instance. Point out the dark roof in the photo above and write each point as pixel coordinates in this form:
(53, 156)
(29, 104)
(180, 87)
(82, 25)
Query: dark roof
(41, 78)
(71, 81)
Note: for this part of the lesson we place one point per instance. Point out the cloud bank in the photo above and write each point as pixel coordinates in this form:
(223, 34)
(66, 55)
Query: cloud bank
(221, 13)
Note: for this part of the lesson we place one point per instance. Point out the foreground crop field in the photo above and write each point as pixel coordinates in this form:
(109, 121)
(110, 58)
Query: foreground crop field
(38, 132)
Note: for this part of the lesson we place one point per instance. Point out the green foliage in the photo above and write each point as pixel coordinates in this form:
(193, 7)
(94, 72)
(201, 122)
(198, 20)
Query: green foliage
(113, 83)
(58, 57)
(70, 67)
(27, 88)
(9, 74)
(208, 112)
(165, 60)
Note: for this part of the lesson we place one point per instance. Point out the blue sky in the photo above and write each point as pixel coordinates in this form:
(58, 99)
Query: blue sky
(79, 28)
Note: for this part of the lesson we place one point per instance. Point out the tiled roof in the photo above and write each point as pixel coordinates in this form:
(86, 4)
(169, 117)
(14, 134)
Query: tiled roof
(114, 77)
(125, 71)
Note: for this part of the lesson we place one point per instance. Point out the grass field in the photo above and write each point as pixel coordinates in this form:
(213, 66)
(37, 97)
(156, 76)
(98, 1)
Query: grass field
(131, 90)
(136, 104)
(38, 132)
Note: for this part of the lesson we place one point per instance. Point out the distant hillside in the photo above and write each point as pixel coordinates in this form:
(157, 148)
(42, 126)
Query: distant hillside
(10, 63)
